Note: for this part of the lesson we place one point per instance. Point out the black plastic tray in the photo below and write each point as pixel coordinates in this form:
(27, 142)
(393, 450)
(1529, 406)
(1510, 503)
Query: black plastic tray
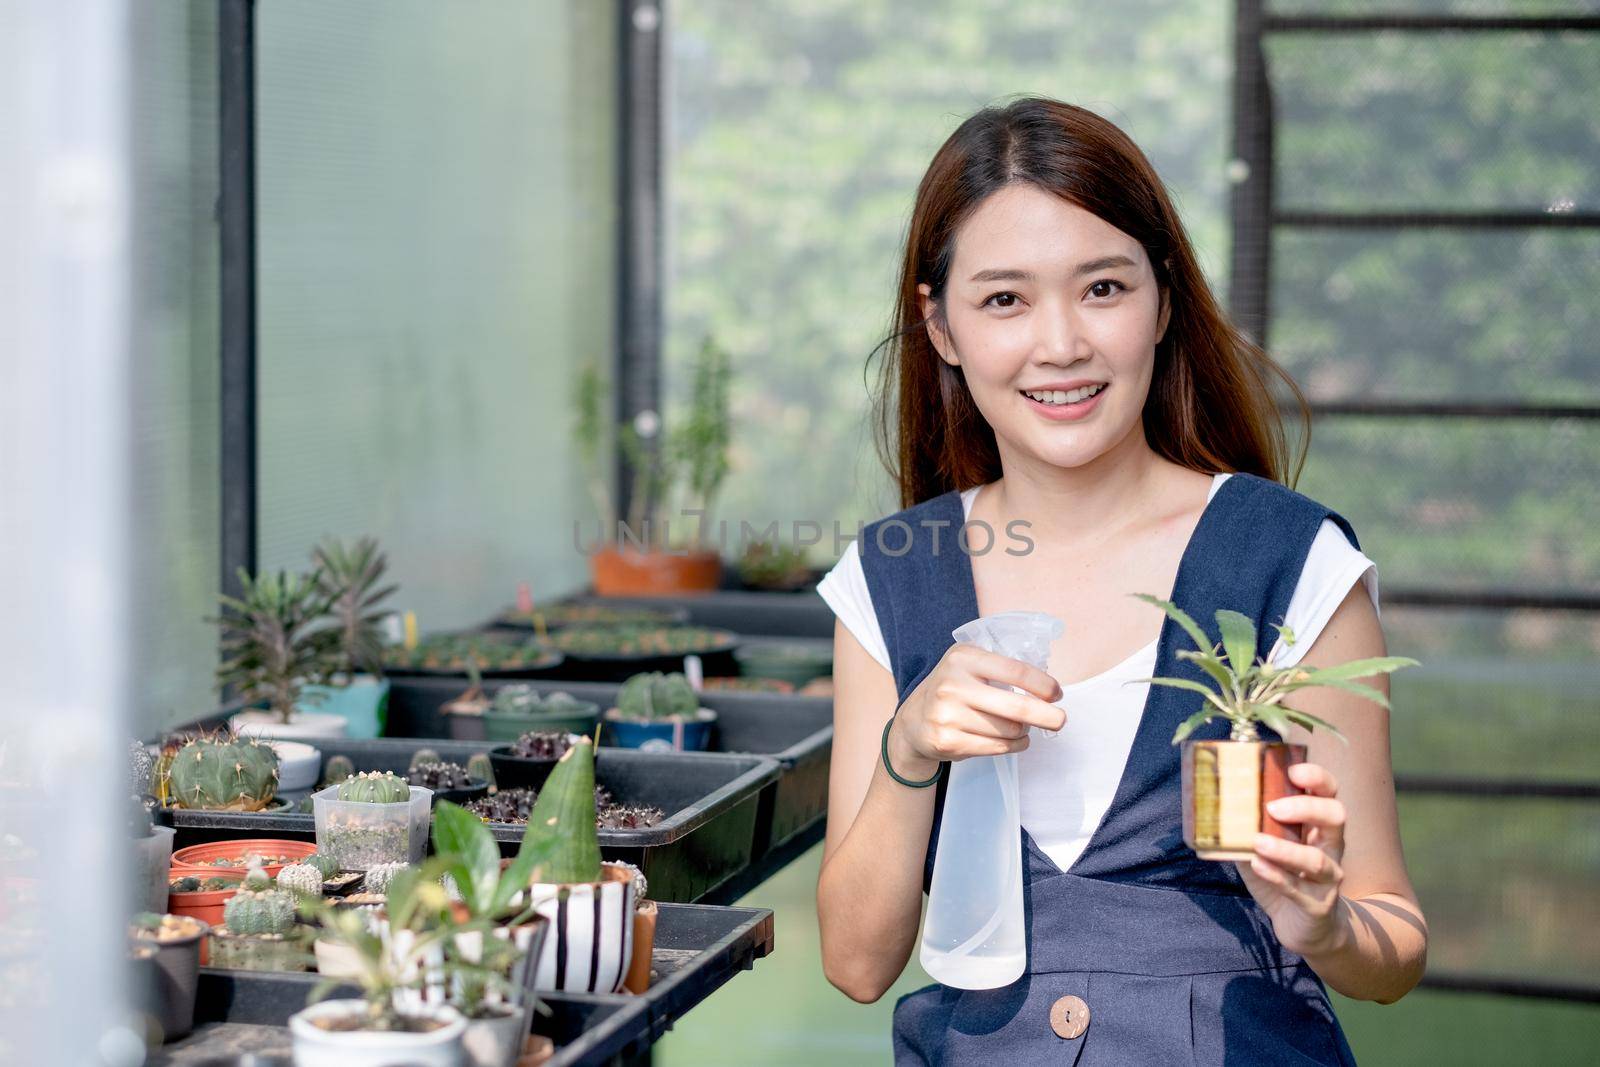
(697, 950)
(712, 801)
(795, 731)
(798, 614)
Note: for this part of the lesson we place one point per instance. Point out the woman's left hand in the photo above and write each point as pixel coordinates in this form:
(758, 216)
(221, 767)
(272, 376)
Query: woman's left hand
(1298, 884)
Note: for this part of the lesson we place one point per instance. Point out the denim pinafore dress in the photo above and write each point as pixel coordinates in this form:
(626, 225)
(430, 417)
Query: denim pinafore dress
(1165, 957)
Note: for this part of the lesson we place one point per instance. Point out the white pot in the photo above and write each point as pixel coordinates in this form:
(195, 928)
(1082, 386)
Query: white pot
(335, 960)
(590, 912)
(316, 1047)
(495, 1042)
(299, 765)
(301, 725)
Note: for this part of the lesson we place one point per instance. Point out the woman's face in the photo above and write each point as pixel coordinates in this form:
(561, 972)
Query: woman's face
(1053, 315)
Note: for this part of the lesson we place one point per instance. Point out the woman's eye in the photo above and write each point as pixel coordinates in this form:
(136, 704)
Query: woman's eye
(1011, 299)
(1106, 282)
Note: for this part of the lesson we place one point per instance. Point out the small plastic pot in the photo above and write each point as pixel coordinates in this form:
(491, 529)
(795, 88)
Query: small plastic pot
(506, 727)
(317, 1047)
(475, 789)
(196, 859)
(496, 1039)
(512, 772)
(359, 836)
(677, 734)
(167, 975)
(152, 859)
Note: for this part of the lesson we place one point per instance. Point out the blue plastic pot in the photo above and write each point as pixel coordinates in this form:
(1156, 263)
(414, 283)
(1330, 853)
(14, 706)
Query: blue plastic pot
(364, 704)
(672, 735)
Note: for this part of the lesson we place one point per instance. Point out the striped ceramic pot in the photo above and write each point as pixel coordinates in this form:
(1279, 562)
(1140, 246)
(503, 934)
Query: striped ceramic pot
(590, 940)
(1226, 787)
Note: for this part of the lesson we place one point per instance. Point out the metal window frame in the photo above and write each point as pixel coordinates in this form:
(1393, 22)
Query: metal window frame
(236, 225)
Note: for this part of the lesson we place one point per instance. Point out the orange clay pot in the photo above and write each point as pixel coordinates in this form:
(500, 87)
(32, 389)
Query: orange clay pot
(630, 572)
(196, 858)
(644, 942)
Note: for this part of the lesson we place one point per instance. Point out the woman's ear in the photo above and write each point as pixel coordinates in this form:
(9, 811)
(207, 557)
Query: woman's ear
(934, 322)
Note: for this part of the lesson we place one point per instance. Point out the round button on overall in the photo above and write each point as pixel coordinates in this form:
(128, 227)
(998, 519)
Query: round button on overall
(1069, 1017)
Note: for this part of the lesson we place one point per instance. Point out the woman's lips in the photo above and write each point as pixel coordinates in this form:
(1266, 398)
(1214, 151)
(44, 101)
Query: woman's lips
(1067, 412)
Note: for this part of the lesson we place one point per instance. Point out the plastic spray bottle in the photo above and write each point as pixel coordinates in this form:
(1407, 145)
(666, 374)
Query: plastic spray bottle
(973, 936)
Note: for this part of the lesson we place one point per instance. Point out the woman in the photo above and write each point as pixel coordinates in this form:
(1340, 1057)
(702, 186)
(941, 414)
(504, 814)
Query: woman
(1062, 380)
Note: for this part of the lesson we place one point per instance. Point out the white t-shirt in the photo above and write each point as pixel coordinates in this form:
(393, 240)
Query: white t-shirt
(1068, 781)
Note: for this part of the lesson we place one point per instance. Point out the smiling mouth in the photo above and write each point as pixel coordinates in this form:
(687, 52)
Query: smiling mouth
(1066, 398)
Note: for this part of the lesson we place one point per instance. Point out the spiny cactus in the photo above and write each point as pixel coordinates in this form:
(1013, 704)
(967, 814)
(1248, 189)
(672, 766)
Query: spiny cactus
(301, 878)
(251, 913)
(629, 817)
(325, 864)
(438, 776)
(379, 877)
(348, 578)
(337, 770)
(480, 767)
(375, 787)
(564, 814)
(256, 878)
(541, 744)
(654, 695)
(641, 885)
(421, 757)
(224, 773)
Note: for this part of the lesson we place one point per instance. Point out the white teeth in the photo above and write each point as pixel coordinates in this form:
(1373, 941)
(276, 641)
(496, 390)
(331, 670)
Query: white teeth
(1071, 396)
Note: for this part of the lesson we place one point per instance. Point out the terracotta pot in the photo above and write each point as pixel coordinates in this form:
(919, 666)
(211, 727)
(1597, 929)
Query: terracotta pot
(627, 571)
(206, 905)
(1226, 786)
(644, 942)
(196, 858)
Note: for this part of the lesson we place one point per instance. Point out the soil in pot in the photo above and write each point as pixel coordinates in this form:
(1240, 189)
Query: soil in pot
(1226, 787)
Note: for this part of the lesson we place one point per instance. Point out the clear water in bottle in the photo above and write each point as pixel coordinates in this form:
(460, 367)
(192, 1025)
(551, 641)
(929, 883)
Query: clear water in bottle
(973, 936)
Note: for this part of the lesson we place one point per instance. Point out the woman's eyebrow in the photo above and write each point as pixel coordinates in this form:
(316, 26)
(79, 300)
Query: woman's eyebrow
(1089, 267)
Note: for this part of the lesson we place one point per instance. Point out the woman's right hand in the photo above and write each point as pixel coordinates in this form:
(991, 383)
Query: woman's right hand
(954, 713)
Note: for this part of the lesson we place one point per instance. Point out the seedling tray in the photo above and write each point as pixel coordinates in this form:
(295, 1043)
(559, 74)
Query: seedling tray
(712, 801)
(795, 731)
(798, 614)
(697, 950)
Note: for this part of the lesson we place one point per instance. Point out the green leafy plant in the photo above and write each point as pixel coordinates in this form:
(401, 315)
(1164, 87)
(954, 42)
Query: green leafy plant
(349, 577)
(1249, 692)
(273, 642)
(561, 836)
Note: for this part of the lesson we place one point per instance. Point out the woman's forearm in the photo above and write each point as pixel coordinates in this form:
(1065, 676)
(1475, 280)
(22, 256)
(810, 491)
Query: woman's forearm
(869, 895)
(1379, 951)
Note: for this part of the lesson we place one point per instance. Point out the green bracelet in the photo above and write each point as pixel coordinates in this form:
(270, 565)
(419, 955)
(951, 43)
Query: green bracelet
(906, 781)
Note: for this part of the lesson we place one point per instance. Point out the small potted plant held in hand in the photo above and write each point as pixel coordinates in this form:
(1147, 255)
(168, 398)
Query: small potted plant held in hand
(273, 645)
(1227, 784)
(350, 578)
(660, 712)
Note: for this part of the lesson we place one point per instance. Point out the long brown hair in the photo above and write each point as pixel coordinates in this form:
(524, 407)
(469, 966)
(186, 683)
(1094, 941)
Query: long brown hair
(1210, 407)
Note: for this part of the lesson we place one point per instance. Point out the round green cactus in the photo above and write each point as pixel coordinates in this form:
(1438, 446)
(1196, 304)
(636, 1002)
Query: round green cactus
(480, 767)
(375, 787)
(654, 695)
(303, 878)
(268, 912)
(337, 770)
(224, 773)
(379, 877)
(325, 864)
(423, 756)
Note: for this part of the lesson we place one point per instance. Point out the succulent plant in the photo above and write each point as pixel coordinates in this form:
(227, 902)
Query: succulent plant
(1250, 692)
(480, 767)
(224, 773)
(653, 696)
(272, 645)
(253, 913)
(628, 817)
(256, 878)
(519, 698)
(303, 878)
(457, 653)
(541, 744)
(337, 769)
(507, 805)
(774, 565)
(421, 756)
(378, 878)
(375, 787)
(348, 578)
(186, 884)
(596, 641)
(564, 816)
(438, 776)
(325, 864)
(641, 885)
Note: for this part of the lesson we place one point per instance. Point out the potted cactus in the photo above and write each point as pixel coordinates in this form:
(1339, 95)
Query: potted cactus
(774, 567)
(518, 708)
(643, 561)
(793, 662)
(1228, 783)
(448, 781)
(372, 818)
(659, 713)
(169, 946)
(274, 643)
(589, 905)
(528, 760)
(349, 578)
(223, 772)
(260, 930)
(203, 896)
